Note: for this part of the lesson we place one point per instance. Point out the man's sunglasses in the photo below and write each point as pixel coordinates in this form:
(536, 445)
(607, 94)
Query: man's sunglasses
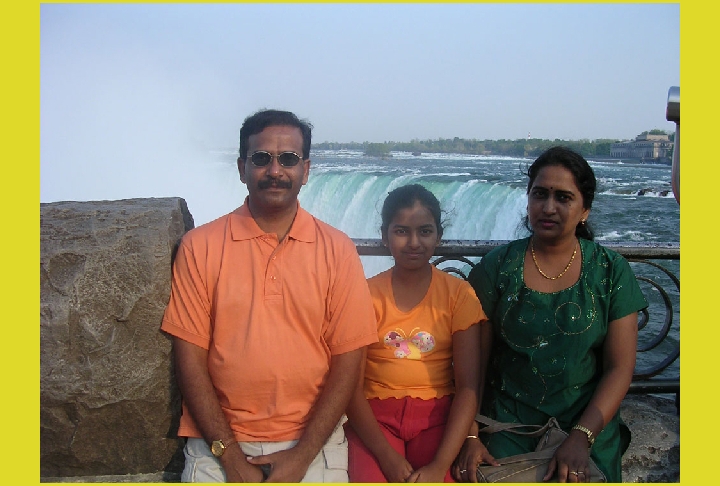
(286, 159)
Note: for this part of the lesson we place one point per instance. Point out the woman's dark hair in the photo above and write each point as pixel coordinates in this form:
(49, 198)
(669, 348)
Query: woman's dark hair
(581, 171)
(405, 197)
(262, 119)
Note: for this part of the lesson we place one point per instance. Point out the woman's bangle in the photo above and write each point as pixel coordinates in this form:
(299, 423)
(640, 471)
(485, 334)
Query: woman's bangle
(586, 431)
(471, 437)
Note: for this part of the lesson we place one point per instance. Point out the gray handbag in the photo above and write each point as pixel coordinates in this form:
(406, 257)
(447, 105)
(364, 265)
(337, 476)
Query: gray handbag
(532, 466)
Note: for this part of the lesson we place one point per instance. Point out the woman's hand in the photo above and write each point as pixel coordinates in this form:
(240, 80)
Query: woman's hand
(395, 467)
(571, 460)
(473, 452)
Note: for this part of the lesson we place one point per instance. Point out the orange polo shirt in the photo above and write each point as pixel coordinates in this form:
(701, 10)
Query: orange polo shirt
(270, 314)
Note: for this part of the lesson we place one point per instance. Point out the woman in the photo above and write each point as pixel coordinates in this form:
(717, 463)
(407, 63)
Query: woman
(564, 315)
(410, 414)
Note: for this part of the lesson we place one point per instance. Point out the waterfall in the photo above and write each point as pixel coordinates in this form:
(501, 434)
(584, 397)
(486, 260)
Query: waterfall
(472, 209)
(351, 202)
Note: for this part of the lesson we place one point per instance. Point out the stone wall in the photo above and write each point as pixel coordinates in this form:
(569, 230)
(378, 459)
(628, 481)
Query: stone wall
(109, 405)
(108, 400)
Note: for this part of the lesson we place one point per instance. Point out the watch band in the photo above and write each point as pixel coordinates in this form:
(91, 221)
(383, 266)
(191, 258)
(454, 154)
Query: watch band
(586, 431)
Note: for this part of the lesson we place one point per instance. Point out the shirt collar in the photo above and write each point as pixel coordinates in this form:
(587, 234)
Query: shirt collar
(244, 227)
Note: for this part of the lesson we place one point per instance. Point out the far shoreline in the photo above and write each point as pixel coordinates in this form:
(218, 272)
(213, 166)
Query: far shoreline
(389, 155)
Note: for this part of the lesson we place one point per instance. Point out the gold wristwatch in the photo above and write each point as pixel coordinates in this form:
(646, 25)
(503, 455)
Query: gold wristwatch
(586, 431)
(218, 447)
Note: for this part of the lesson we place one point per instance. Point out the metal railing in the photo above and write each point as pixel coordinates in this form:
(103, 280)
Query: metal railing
(660, 285)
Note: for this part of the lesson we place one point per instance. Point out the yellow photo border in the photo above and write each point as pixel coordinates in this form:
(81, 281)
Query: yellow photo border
(20, 35)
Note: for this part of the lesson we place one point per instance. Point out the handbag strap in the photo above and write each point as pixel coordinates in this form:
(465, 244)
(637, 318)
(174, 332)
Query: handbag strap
(493, 426)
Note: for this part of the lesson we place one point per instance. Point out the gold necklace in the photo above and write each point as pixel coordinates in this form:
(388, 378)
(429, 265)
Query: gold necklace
(532, 251)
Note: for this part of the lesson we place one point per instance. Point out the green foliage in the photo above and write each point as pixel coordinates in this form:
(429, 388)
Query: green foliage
(378, 149)
(521, 147)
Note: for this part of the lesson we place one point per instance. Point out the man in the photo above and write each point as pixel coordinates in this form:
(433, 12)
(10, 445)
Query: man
(270, 314)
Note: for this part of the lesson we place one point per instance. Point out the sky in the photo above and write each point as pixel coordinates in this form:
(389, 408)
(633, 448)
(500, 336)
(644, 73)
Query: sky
(129, 91)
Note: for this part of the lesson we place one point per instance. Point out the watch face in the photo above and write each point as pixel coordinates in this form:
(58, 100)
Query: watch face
(217, 448)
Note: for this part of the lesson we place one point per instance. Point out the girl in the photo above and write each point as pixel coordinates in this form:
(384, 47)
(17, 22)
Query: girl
(411, 412)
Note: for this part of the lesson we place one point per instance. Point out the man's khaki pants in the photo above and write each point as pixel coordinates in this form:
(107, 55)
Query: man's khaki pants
(329, 466)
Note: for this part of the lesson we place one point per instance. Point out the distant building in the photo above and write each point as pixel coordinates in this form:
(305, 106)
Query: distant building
(645, 146)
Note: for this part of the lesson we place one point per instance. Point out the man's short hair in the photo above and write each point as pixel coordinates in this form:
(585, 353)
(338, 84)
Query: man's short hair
(262, 119)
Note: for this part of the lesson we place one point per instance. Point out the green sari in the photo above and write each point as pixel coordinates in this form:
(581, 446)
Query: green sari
(547, 355)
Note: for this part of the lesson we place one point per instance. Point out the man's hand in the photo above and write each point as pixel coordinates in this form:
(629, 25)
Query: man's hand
(288, 466)
(237, 469)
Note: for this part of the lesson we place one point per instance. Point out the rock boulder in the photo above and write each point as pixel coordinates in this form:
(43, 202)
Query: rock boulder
(108, 399)
(654, 452)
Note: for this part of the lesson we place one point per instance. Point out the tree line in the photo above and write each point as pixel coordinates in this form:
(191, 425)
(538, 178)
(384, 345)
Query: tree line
(523, 147)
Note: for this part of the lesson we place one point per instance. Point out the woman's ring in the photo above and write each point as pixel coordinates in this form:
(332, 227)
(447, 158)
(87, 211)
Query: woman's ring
(575, 473)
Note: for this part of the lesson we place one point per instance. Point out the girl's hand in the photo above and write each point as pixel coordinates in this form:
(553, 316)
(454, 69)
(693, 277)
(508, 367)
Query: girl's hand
(431, 473)
(395, 467)
(571, 460)
(472, 454)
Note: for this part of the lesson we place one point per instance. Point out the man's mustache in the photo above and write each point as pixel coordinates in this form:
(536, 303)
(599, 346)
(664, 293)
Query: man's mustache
(267, 183)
